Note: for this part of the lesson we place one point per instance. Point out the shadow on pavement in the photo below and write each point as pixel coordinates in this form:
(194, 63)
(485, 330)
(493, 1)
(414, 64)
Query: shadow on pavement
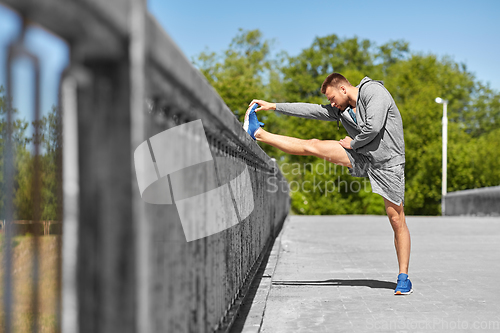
(336, 282)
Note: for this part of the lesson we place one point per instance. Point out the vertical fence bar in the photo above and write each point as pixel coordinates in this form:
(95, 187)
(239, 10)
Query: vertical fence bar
(17, 50)
(36, 194)
(71, 190)
(9, 190)
(137, 50)
(60, 198)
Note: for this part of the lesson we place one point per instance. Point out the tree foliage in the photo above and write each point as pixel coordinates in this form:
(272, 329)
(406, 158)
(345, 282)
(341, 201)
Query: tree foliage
(414, 80)
(248, 70)
(236, 74)
(19, 143)
(49, 139)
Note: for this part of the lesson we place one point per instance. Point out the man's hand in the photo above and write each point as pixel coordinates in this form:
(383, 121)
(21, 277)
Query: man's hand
(346, 142)
(263, 105)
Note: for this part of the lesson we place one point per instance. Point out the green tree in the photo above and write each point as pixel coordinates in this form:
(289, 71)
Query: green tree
(49, 139)
(51, 178)
(241, 72)
(246, 71)
(482, 115)
(306, 72)
(23, 186)
(414, 84)
(302, 80)
(19, 143)
(414, 81)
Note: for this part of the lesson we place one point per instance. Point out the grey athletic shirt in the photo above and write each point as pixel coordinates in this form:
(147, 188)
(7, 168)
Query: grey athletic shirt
(378, 133)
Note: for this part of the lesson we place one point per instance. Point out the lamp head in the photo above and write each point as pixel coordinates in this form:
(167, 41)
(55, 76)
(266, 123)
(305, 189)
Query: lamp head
(439, 100)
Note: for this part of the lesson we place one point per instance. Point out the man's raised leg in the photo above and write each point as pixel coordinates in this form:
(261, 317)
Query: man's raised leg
(329, 150)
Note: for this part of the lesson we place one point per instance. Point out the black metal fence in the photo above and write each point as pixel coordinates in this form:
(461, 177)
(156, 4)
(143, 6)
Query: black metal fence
(128, 265)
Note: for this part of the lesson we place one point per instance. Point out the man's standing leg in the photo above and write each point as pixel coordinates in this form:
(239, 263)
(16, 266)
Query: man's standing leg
(331, 151)
(402, 240)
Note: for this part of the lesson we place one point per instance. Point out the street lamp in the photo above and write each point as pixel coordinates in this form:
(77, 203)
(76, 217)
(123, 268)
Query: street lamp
(439, 100)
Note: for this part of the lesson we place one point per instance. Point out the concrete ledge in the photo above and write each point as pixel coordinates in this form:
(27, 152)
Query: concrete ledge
(480, 201)
(134, 269)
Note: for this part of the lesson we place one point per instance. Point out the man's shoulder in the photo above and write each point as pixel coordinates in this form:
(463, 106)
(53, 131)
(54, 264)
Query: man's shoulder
(373, 86)
(373, 89)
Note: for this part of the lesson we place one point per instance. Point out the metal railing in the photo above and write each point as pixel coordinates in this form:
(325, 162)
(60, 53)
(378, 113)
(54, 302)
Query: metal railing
(28, 227)
(17, 50)
(126, 265)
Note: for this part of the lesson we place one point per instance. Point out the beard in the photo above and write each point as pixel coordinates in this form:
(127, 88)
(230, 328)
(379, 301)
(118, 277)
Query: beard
(343, 107)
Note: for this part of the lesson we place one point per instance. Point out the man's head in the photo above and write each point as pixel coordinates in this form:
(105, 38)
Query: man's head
(335, 87)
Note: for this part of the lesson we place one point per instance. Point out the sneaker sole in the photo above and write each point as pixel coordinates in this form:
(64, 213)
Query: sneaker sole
(406, 293)
(246, 121)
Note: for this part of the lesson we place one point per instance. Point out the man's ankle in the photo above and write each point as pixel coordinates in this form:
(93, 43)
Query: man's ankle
(257, 133)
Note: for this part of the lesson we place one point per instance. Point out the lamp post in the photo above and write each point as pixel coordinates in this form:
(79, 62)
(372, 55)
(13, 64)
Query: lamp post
(439, 100)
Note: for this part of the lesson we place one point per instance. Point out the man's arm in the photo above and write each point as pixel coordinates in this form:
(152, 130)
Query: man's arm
(303, 110)
(377, 102)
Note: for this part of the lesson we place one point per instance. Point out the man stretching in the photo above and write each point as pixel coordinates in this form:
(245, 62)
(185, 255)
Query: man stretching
(374, 148)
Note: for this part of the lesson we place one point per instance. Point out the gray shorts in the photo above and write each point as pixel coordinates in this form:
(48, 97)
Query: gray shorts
(389, 182)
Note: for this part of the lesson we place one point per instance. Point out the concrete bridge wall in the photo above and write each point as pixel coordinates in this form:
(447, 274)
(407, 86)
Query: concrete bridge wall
(128, 264)
(481, 202)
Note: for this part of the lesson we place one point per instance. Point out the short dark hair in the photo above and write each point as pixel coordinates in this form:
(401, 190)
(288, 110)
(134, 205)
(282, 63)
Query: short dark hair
(333, 80)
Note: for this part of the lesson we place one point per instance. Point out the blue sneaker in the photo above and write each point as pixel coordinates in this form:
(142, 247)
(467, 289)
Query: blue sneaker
(404, 285)
(251, 123)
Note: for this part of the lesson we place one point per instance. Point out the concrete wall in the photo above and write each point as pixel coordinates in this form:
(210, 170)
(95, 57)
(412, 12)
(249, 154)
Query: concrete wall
(133, 269)
(192, 285)
(481, 202)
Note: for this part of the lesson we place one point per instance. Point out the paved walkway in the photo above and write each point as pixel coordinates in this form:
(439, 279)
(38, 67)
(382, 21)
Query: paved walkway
(338, 273)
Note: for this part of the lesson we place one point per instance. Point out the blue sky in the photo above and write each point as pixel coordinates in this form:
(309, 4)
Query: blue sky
(52, 53)
(468, 31)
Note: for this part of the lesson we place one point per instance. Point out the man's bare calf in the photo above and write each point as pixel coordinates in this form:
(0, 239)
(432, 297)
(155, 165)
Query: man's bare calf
(332, 151)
